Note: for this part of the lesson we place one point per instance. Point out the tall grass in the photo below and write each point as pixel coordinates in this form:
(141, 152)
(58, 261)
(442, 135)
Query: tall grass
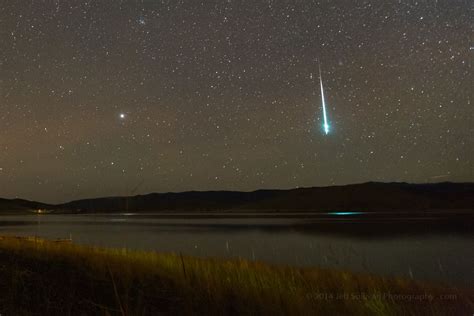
(45, 277)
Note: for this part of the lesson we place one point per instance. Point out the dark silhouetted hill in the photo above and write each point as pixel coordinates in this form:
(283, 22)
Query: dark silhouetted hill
(21, 205)
(371, 196)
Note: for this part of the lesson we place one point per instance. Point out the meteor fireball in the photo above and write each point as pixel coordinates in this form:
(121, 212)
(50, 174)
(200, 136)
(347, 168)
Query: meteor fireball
(323, 101)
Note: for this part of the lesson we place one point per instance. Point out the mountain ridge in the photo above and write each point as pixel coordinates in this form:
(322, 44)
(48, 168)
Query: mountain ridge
(368, 196)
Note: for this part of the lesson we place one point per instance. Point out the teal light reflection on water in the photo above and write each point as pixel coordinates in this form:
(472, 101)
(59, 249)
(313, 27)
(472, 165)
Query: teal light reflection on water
(345, 213)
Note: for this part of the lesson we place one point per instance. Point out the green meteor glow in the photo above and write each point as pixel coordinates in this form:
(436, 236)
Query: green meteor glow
(326, 124)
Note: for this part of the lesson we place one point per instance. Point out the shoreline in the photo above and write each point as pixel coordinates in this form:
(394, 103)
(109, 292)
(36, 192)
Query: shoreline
(142, 283)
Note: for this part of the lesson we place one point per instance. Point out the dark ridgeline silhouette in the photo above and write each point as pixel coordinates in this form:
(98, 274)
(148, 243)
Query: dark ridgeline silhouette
(371, 196)
(20, 204)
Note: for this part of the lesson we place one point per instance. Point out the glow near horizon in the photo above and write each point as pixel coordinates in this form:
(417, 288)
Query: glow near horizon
(326, 124)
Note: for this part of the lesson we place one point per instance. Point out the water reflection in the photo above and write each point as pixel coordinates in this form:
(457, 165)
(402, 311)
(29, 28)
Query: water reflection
(427, 246)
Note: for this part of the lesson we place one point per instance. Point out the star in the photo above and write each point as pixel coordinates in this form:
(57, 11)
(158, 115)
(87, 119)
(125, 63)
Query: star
(228, 85)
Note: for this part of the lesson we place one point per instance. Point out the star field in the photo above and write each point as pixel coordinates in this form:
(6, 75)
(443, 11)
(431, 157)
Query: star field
(110, 97)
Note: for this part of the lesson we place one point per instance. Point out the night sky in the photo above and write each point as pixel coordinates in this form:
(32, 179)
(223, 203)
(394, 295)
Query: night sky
(106, 97)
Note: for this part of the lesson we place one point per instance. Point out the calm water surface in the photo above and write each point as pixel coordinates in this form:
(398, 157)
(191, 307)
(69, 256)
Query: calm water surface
(428, 247)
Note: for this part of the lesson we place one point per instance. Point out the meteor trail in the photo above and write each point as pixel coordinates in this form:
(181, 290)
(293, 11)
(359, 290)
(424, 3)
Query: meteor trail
(326, 125)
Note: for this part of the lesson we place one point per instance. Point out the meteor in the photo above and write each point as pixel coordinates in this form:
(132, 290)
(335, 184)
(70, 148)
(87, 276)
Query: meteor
(326, 124)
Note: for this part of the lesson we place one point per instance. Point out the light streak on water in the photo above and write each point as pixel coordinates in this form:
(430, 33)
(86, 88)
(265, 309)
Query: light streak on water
(345, 213)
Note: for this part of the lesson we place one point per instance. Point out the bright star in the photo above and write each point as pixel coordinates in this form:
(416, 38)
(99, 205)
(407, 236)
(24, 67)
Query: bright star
(122, 115)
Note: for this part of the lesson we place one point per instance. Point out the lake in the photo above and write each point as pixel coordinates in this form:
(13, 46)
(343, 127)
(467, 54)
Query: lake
(428, 246)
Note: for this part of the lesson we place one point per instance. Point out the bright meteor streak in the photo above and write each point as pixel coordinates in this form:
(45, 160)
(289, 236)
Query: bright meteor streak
(326, 124)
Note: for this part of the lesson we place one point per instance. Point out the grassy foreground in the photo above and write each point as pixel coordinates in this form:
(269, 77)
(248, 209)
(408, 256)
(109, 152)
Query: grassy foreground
(53, 278)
